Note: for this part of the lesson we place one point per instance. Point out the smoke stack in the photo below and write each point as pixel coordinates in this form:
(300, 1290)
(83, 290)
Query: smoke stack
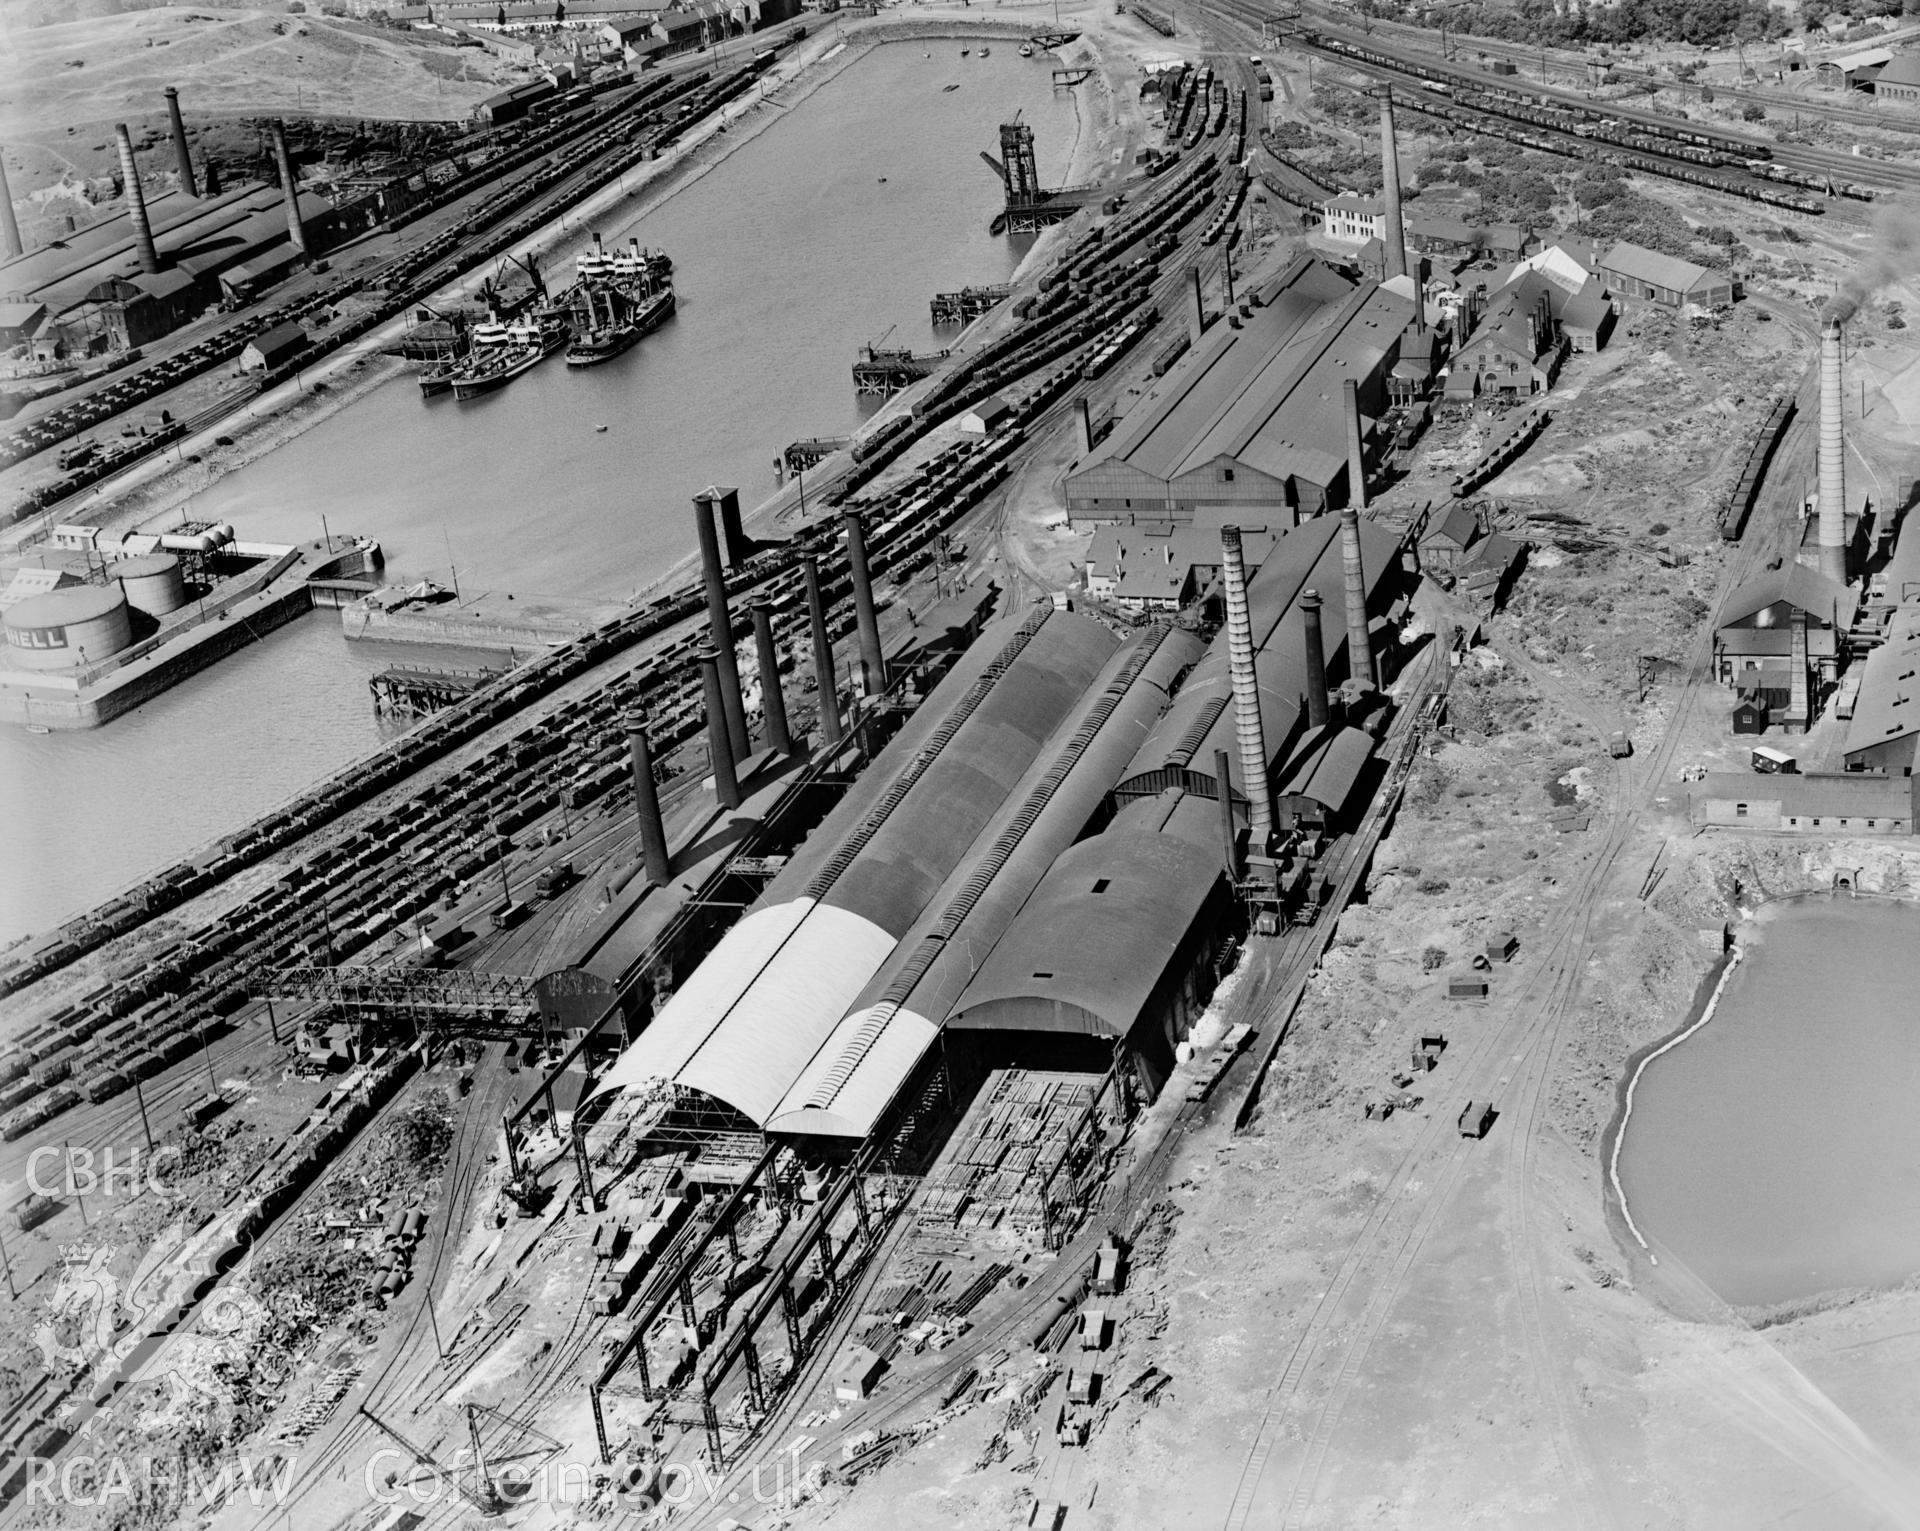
(137, 204)
(864, 615)
(733, 539)
(1799, 708)
(773, 702)
(1086, 422)
(1246, 695)
(726, 786)
(180, 154)
(1396, 235)
(1229, 838)
(210, 183)
(720, 630)
(1317, 709)
(646, 802)
(823, 661)
(1359, 647)
(289, 193)
(10, 242)
(1833, 462)
(1197, 317)
(1356, 450)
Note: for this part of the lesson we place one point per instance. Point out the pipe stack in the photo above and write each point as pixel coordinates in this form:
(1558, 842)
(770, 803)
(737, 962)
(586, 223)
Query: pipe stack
(726, 785)
(10, 241)
(1359, 645)
(773, 702)
(1230, 838)
(720, 631)
(289, 192)
(1396, 233)
(182, 158)
(865, 615)
(646, 802)
(724, 504)
(137, 204)
(1799, 706)
(1318, 711)
(1356, 446)
(1833, 461)
(1246, 696)
(823, 661)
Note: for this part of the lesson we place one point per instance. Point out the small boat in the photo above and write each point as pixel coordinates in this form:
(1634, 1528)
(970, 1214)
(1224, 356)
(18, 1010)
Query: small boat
(985, 51)
(883, 180)
(437, 380)
(1026, 50)
(954, 86)
(965, 51)
(515, 363)
(598, 429)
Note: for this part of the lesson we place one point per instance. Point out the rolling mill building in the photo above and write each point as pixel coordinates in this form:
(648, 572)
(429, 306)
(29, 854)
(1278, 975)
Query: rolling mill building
(1258, 423)
(1040, 870)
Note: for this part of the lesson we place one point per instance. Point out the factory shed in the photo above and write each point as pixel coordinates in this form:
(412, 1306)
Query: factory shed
(1886, 715)
(1826, 803)
(512, 104)
(1899, 79)
(1252, 422)
(17, 322)
(744, 1026)
(1112, 944)
(1322, 778)
(1633, 272)
(1858, 71)
(1753, 645)
(875, 1050)
(1898, 583)
(1515, 349)
(274, 347)
(986, 417)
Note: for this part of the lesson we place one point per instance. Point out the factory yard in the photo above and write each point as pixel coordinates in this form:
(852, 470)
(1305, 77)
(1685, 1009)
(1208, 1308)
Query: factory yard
(1164, 1064)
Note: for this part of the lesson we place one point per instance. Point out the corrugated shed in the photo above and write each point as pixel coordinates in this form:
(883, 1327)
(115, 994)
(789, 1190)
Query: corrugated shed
(859, 1071)
(1094, 941)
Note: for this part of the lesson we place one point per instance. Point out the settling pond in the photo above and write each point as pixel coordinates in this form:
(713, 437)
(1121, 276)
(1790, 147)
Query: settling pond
(1777, 1150)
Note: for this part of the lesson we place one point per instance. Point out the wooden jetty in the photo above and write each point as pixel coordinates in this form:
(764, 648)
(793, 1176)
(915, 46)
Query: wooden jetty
(886, 372)
(419, 689)
(968, 304)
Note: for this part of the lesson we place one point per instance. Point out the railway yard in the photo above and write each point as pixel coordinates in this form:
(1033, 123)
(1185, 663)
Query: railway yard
(688, 1080)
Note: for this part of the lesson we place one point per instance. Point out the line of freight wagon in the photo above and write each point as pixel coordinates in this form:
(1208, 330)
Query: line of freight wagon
(407, 280)
(223, 1239)
(449, 729)
(1738, 504)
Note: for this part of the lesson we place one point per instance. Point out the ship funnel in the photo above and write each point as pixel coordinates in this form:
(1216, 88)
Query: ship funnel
(137, 204)
(646, 802)
(1246, 696)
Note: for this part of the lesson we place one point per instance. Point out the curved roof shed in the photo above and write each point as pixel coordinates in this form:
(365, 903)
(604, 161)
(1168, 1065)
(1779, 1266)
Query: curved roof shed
(750, 1018)
(1098, 939)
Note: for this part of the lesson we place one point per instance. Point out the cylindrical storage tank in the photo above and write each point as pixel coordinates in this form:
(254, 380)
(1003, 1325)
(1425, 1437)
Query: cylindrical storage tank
(64, 629)
(152, 582)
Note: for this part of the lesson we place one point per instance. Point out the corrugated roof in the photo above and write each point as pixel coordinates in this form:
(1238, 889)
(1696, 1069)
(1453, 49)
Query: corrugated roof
(1327, 767)
(1657, 270)
(1815, 794)
(1795, 583)
(1077, 960)
(858, 1072)
(1160, 432)
(1903, 70)
(1888, 705)
(752, 1016)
